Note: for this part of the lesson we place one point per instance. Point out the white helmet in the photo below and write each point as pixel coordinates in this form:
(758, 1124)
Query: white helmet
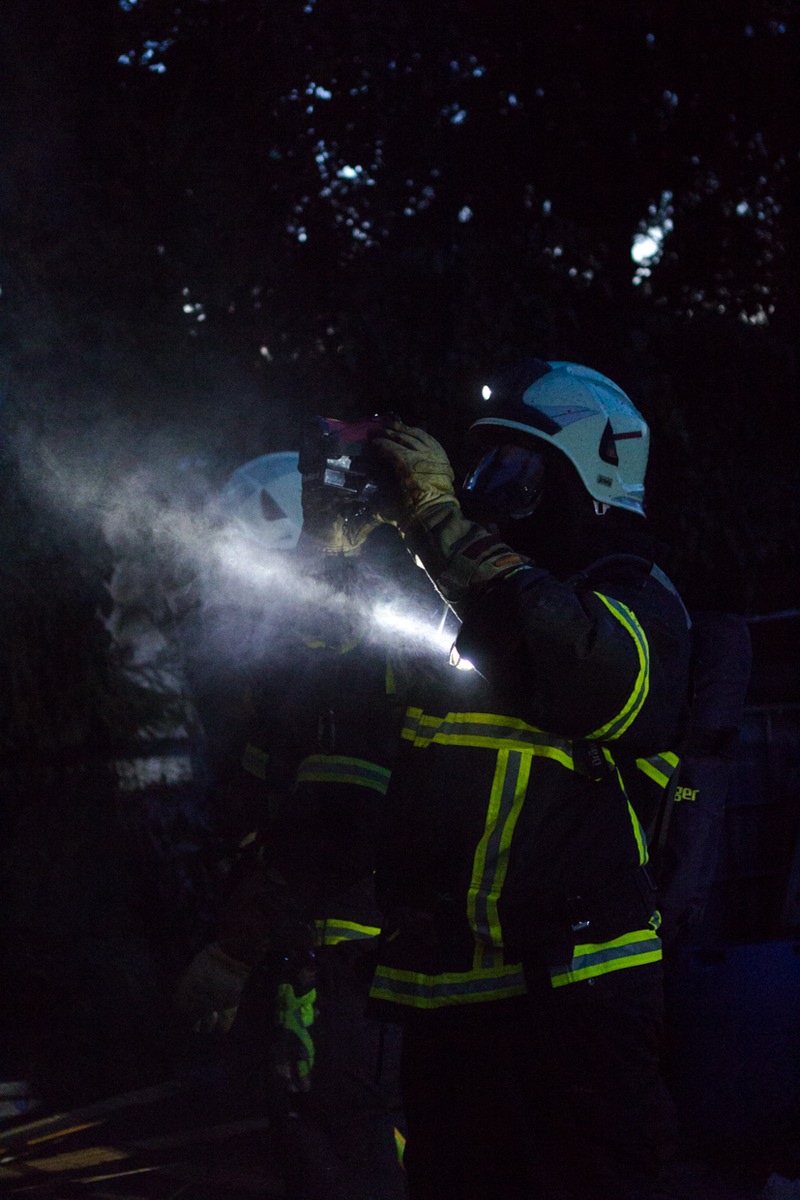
(262, 500)
(582, 413)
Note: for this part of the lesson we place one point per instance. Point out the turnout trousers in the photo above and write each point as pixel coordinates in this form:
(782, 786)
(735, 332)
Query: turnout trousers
(556, 1096)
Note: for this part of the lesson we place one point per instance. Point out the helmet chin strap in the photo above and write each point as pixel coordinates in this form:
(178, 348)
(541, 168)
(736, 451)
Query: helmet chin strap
(601, 507)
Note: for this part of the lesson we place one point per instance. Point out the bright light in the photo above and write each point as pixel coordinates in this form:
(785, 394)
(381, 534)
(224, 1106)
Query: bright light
(412, 626)
(416, 628)
(238, 563)
(460, 664)
(486, 392)
(646, 246)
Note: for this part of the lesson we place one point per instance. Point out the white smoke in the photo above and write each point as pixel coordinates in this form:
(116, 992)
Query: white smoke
(177, 549)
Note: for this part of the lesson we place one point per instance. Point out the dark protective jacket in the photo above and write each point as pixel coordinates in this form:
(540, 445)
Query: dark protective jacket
(510, 844)
(321, 758)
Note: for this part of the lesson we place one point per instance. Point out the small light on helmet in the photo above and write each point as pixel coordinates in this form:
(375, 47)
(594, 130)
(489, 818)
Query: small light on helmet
(486, 392)
(460, 664)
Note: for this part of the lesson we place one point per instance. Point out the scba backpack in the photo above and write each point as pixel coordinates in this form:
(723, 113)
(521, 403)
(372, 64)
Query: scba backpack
(684, 843)
(679, 795)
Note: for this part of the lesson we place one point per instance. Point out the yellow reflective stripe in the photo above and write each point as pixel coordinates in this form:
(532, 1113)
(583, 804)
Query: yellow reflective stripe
(329, 932)
(639, 834)
(600, 958)
(339, 647)
(254, 761)
(400, 1145)
(659, 767)
(417, 990)
(491, 857)
(337, 768)
(617, 726)
(636, 825)
(489, 731)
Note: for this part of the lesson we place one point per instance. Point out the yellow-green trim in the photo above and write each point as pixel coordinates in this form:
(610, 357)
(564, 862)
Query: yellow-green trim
(339, 768)
(339, 647)
(600, 958)
(638, 833)
(491, 857)
(636, 825)
(627, 715)
(489, 731)
(659, 767)
(417, 990)
(400, 1145)
(330, 932)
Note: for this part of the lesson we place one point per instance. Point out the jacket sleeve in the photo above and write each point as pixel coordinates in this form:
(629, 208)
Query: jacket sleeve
(607, 664)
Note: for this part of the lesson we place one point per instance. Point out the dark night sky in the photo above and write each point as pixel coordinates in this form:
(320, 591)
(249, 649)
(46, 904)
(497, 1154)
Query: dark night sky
(218, 218)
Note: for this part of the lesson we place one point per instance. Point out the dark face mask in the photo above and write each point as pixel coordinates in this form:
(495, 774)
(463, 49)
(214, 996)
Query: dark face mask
(507, 483)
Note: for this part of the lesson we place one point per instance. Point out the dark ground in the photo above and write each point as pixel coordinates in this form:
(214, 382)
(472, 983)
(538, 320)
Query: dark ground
(190, 1139)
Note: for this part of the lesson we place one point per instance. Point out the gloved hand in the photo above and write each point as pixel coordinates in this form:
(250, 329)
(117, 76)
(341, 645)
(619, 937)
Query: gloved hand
(292, 1051)
(457, 554)
(421, 470)
(331, 528)
(210, 989)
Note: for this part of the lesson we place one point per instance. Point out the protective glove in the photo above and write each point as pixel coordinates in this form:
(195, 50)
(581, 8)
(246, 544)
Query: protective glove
(458, 555)
(293, 1049)
(331, 527)
(421, 471)
(210, 989)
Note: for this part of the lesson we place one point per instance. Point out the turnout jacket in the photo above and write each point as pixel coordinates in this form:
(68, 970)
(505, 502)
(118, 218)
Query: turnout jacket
(321, 759)
(510, 844)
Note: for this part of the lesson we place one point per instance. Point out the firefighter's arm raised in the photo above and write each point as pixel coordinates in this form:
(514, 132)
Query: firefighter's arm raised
(459, 555)
(581, 664)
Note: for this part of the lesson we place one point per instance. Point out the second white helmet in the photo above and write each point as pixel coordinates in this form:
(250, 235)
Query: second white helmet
(262, 501)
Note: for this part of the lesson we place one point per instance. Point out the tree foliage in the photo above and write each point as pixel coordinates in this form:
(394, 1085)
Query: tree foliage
(222, 216)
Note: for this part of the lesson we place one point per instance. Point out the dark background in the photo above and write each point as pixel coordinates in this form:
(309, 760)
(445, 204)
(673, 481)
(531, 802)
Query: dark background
(218, 217)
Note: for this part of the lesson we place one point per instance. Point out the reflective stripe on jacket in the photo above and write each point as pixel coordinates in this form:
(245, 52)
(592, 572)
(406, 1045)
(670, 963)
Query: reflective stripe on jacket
(592, 959)
(324, 751)
(495, 980)
(328, 931)
(490, 977)
(338, 768)
(507, 843)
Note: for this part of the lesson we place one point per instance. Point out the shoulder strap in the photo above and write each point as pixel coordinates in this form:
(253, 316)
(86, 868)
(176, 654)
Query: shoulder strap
(633, 564)
(630, 568)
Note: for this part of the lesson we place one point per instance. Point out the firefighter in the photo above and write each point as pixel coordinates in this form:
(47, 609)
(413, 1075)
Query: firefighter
(520, 946)
(288, 971)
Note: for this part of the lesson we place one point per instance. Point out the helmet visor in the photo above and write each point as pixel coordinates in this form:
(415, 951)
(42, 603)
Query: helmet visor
(507, 481)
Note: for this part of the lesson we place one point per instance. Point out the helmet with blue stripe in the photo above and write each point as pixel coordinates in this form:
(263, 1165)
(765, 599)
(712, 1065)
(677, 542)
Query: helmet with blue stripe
(574, 409)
